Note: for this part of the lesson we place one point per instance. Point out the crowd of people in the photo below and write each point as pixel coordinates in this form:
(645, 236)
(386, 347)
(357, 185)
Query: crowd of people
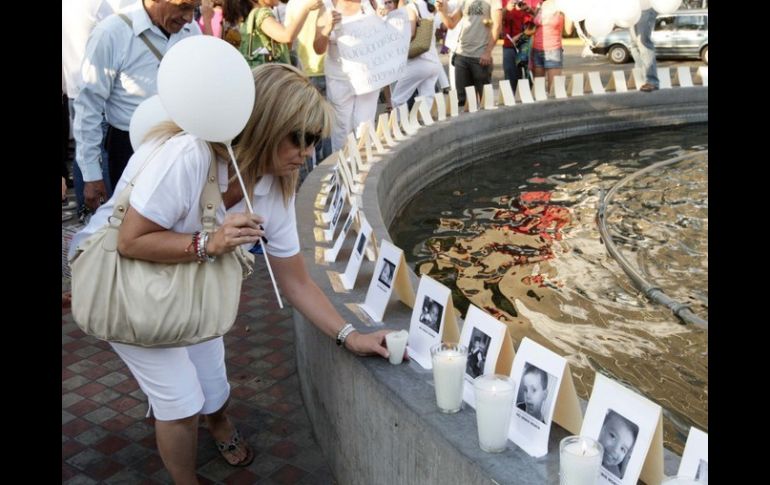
(305, 108)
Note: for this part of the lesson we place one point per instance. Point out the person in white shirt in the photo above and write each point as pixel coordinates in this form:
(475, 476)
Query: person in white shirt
(164, 218)
(421, 71)
(119, 71)
(78, 19)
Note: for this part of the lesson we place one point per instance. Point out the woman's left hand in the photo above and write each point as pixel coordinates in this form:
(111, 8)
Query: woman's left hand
(368, 343)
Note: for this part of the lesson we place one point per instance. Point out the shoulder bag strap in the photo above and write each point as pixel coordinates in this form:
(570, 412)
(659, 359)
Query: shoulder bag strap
(144, 38)
(210, 196)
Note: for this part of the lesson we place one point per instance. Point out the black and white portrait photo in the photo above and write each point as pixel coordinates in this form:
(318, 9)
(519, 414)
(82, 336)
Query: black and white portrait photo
(361, 243)
(386, 274)
(536, 387)
(430, 315)
(477, 355)
(617, 436)
(702, 475)
(336, 216)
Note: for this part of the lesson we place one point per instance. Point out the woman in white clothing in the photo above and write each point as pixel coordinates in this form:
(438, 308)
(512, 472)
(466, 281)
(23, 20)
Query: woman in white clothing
(421, 71)
(350, 109)
(163, 223)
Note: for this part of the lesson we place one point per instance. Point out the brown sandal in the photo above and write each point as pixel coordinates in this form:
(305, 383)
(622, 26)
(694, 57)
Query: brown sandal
(226, 449)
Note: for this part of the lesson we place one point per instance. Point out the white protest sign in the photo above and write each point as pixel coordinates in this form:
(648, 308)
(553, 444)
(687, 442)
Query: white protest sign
(490, 350)
(373, 50)
(433, 320)
(389, 273)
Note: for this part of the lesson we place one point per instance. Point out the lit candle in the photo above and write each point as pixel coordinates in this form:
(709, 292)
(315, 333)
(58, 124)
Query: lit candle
(494, 404)
(580, 460)
(449, 362)
(396, 342)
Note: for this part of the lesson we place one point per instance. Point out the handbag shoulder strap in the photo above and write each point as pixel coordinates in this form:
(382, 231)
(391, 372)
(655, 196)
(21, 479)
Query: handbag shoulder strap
(142, 36)
(210, 196)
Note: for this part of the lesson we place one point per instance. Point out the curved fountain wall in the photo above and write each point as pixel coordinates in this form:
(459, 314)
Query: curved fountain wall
(378, 423)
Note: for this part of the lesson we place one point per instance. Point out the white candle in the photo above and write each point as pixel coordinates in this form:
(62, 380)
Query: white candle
(494, 405)
(580, 460)
(449, 362)
(396, 342)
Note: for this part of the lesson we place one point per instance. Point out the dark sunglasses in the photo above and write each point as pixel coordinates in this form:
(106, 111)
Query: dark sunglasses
(310, 139)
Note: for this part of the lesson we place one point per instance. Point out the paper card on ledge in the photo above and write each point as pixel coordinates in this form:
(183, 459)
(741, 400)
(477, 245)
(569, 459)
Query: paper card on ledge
(595, 82)
(331, 179)
(367, 140)
(337, 211)
(439, 106)
(488, 100)
(490, 349)
(433, 321)
(576, 87)
(617, 82)
(542, 382)
(330, 254)
(335, 194)
(471, 102)
(525, 94)
(354, 154)
(507, 93)
(403, 118)
(637, 421)
(424, 109)
(559, 87)
(695, 459)
(395, 129)
(540, 94)
(347, 177)
(453, 103)
(413, 121)
(390, 272)
(348, 278)
(383, 129)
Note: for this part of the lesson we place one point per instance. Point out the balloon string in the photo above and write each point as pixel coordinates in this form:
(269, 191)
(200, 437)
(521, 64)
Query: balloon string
(251, 211)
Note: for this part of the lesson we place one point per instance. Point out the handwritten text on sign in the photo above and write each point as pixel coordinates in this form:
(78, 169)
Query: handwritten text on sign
(373, 50)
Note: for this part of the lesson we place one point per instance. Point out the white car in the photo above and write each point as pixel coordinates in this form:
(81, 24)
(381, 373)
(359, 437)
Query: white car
(684, 33)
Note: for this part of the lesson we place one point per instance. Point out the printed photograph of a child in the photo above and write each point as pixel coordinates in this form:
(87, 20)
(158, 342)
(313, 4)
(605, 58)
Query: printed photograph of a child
(430, 315)
(477, 357)
(617, 436)
(536, 391)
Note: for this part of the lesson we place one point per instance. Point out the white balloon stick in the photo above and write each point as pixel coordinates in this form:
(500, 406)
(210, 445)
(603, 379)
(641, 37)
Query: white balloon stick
(251, 210)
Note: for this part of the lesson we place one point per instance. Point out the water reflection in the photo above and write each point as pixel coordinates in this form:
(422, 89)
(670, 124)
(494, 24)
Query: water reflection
(517, 237)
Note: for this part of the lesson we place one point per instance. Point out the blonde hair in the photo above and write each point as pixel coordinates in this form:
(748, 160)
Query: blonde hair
(285, 101)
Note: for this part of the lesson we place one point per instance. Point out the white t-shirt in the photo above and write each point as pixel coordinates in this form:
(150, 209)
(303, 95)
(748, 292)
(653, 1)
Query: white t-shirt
(168, 191)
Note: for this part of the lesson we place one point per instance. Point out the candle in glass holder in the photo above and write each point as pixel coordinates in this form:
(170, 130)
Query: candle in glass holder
(396, 343)
(448, 368)
(494, 405)
(580, 458)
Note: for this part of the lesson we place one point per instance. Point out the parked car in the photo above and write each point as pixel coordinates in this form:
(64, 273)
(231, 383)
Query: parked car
(684, 33)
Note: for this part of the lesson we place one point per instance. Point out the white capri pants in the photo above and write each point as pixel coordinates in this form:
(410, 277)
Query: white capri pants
(421, 74)
(179, 381)
(350, 109)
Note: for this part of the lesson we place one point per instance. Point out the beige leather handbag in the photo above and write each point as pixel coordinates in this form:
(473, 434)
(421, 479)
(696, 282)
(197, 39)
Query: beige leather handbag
(156, 304)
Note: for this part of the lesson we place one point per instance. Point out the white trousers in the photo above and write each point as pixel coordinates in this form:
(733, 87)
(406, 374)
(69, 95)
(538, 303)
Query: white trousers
(421, 74)
(350, 109)
(179, 381)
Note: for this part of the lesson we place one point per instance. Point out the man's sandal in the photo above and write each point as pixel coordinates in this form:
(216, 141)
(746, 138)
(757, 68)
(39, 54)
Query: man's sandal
(227, 448)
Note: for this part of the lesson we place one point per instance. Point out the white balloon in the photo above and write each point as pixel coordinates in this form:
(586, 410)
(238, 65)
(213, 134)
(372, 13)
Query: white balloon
(665, 6)
(576, 10)
(147, 115)
(207, 87)
(625, 13)
(599, 21)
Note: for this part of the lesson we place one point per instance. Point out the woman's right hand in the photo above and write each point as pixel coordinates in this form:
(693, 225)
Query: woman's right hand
(240, 228)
